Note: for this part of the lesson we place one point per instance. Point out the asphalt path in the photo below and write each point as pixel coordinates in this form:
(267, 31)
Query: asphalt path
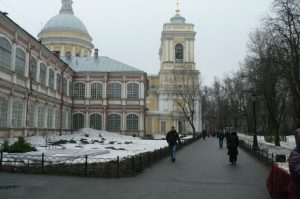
(201, 171)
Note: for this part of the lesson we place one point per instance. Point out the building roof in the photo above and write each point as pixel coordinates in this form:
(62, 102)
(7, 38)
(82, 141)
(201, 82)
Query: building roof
(65, 23)
(98, 64)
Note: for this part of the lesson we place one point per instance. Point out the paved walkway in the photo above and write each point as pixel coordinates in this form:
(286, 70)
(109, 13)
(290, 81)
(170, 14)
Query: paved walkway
(202, 171)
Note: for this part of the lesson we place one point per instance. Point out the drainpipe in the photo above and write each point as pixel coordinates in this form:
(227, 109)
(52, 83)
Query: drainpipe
(28, 92)
(62, 97)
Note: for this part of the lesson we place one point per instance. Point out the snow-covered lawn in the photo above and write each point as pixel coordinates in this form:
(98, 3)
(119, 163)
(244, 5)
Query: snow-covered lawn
(285, 147)
(94, 143)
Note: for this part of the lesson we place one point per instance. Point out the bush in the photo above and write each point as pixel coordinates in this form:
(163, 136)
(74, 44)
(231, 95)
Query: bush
(269, 138)
(72, 142)
(59, 142)
(4, 146)
(84, 141)
(20, 147)
(87, 135)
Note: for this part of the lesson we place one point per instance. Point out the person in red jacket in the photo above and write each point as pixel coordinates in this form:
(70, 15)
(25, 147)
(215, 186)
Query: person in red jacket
(294, 164)
(172, 139)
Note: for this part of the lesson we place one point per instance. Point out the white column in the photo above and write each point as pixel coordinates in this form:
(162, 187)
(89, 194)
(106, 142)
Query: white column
(186, 56)
(27, 64)
(81, 52)
(38, 70)
(193, 50)
(123, 93)
(9, 114)
(168, 50)
(73, 51)
(123, 121)
(141, 123)
(87, 120)
(62, 51)
(51, 48)
(88, 90)
(142, 90)
(47, 76)
(55, 80)
(45, 116)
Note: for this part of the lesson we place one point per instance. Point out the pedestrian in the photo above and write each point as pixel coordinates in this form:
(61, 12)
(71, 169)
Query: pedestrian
(221, 136)
(232, 146)
(204, 134)
(172, 139)
(294, 164)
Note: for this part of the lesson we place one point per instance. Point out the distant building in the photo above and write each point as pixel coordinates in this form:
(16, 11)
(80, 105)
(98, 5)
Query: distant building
(53, 84)
(176, 54)
(41, 93)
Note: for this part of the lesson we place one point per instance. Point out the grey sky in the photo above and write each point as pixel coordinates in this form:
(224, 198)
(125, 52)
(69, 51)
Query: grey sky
(129, 30)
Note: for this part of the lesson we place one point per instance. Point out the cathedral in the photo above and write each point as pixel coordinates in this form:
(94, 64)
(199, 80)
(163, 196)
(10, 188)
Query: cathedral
(53, 84)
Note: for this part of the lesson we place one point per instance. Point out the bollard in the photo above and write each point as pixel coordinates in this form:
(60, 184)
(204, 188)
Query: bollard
(141, 166)
(132, 165)
(118, 167)
(43, 157)
(1, 157)
(86, 165)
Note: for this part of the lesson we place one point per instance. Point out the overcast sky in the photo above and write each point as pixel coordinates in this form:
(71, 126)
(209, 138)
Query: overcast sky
(129, 30)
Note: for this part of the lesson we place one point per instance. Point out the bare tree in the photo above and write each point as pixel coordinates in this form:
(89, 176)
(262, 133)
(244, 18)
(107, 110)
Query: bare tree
(187, 94)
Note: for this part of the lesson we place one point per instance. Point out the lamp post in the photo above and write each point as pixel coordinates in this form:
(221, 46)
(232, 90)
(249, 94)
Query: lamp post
(255, 143)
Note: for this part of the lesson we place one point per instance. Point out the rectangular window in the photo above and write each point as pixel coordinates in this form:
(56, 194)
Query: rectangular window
(163, 126)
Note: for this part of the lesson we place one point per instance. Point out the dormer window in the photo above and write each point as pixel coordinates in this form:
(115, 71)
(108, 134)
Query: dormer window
(179, 53)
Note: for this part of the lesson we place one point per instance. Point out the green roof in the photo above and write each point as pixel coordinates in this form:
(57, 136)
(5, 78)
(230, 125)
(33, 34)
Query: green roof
(98, 64)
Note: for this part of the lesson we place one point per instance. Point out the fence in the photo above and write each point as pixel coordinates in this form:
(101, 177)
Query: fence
(262, 154)
(84, 165)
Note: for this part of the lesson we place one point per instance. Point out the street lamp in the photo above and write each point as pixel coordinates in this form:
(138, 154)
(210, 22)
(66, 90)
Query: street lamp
(255, 143)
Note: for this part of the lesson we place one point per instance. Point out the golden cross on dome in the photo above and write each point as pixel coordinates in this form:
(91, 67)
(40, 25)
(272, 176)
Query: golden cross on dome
(177, 8)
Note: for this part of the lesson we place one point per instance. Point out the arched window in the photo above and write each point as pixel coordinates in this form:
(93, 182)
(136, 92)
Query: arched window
(57, 119)
(33, 68)
(114, 122)
(3, 111)
(133, 91)
(96, 91)
(43, 74)
(51, 78)
(132, 122)
(5, 53)
(96, 121)
(114, 91)
(78, 121)
(41, 117)
(31, 114)
(179, 53)
(79, 90)
(50, 118)
(20, 62)
(58, 83)
(17, 114)
(65, 86)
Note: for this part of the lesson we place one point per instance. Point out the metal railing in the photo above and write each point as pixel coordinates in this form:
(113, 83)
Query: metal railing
(84, 165)
(262, 154)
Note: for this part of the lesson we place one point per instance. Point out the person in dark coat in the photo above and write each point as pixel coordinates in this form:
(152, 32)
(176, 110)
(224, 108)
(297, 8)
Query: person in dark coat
(172, 139)
(232, 146)
(294, 164)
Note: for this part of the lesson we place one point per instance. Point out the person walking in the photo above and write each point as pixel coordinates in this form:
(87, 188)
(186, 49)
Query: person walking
(172, 139)
(221, 136)
(294, 164)
(204, 134)
(232, 146)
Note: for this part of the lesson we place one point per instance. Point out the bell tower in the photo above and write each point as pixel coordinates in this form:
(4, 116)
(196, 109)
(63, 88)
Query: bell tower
(177, 47)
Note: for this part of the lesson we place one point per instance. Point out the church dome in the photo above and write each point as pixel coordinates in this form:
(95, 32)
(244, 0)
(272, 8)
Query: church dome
(66, 34)
(65, 22)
